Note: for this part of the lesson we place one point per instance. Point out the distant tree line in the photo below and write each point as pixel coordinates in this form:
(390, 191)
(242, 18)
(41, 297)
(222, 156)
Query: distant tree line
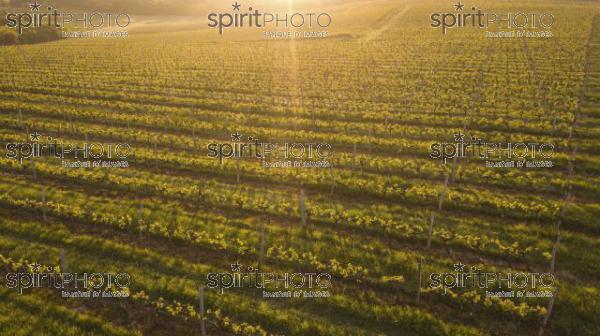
(31, 35)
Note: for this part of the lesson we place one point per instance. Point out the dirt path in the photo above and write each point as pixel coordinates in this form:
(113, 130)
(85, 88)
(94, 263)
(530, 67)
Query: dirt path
(387, 25)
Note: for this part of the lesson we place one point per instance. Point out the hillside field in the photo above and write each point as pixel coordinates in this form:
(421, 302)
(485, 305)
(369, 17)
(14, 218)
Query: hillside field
(380, 90)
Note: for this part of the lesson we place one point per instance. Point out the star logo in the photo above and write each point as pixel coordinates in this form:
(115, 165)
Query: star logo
(459, 6)
(236, 6)
(35, 136)
(236, 136)
(35, 267)
(236, 267)
(459, 267)
(35, 6)
(459, 137)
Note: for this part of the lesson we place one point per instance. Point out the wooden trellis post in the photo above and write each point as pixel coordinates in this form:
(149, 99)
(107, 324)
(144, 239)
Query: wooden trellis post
(262, 245)
(302, 207)
(33, 170)
(439, 208)
(155, 156)
(139, 212)
(63, 261)
(353, 154)
(332, 179)
(549, 312)
(420, 276)
(431, 221)
(43, 197)
(554, 250)
(201, 306)
(238, 170)
(139, 218)
(370, 135)
(20, 119)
